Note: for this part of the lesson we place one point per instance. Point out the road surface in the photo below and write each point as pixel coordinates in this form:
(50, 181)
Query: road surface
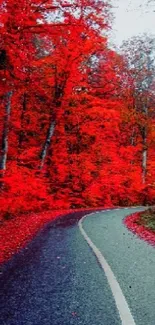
(58, 279)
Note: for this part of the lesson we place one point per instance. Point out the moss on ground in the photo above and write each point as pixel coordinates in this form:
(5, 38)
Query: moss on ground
(147, 219)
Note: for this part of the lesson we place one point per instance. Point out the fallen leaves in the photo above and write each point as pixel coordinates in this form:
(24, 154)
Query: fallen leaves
(131, 223)
(17, 232)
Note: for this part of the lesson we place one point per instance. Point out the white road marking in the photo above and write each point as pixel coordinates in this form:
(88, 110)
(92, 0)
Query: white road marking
(120, 300)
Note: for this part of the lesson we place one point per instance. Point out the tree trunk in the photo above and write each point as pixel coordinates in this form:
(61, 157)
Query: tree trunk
(50, 133)
(21, 134)
(145, 150)
(57, 101)
(145, 129)
(4, 151)
(133, 140)
(144, 155)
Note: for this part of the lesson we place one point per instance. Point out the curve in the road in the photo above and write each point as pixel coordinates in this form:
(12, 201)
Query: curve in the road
(121, 303)
(55, 279)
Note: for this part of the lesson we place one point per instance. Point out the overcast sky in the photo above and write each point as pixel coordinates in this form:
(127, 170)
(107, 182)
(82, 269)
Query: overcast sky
(132, 17)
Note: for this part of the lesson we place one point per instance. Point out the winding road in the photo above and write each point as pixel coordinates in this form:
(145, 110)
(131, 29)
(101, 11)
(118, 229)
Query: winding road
(81, 269)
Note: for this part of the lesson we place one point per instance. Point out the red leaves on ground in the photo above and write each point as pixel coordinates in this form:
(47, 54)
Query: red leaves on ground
(15, 233)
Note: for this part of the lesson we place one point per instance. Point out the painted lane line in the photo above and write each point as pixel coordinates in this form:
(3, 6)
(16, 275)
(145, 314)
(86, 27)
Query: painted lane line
(120, 300)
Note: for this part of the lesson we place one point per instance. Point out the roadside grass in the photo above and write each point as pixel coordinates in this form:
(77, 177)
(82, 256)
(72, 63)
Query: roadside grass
(147, 219)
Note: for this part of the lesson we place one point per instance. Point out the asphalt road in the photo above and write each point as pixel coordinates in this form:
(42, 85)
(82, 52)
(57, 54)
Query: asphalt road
(58, 280)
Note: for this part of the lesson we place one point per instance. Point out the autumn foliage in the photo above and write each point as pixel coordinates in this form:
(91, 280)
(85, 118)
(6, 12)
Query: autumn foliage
(70, 133)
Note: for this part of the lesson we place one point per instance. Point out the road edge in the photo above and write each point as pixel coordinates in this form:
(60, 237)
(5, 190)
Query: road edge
(120, 300)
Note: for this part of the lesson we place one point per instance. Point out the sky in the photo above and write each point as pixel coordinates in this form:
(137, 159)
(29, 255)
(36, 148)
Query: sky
(132, 17)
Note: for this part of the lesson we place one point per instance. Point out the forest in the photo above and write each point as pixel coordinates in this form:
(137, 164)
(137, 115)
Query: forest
(77, 117)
